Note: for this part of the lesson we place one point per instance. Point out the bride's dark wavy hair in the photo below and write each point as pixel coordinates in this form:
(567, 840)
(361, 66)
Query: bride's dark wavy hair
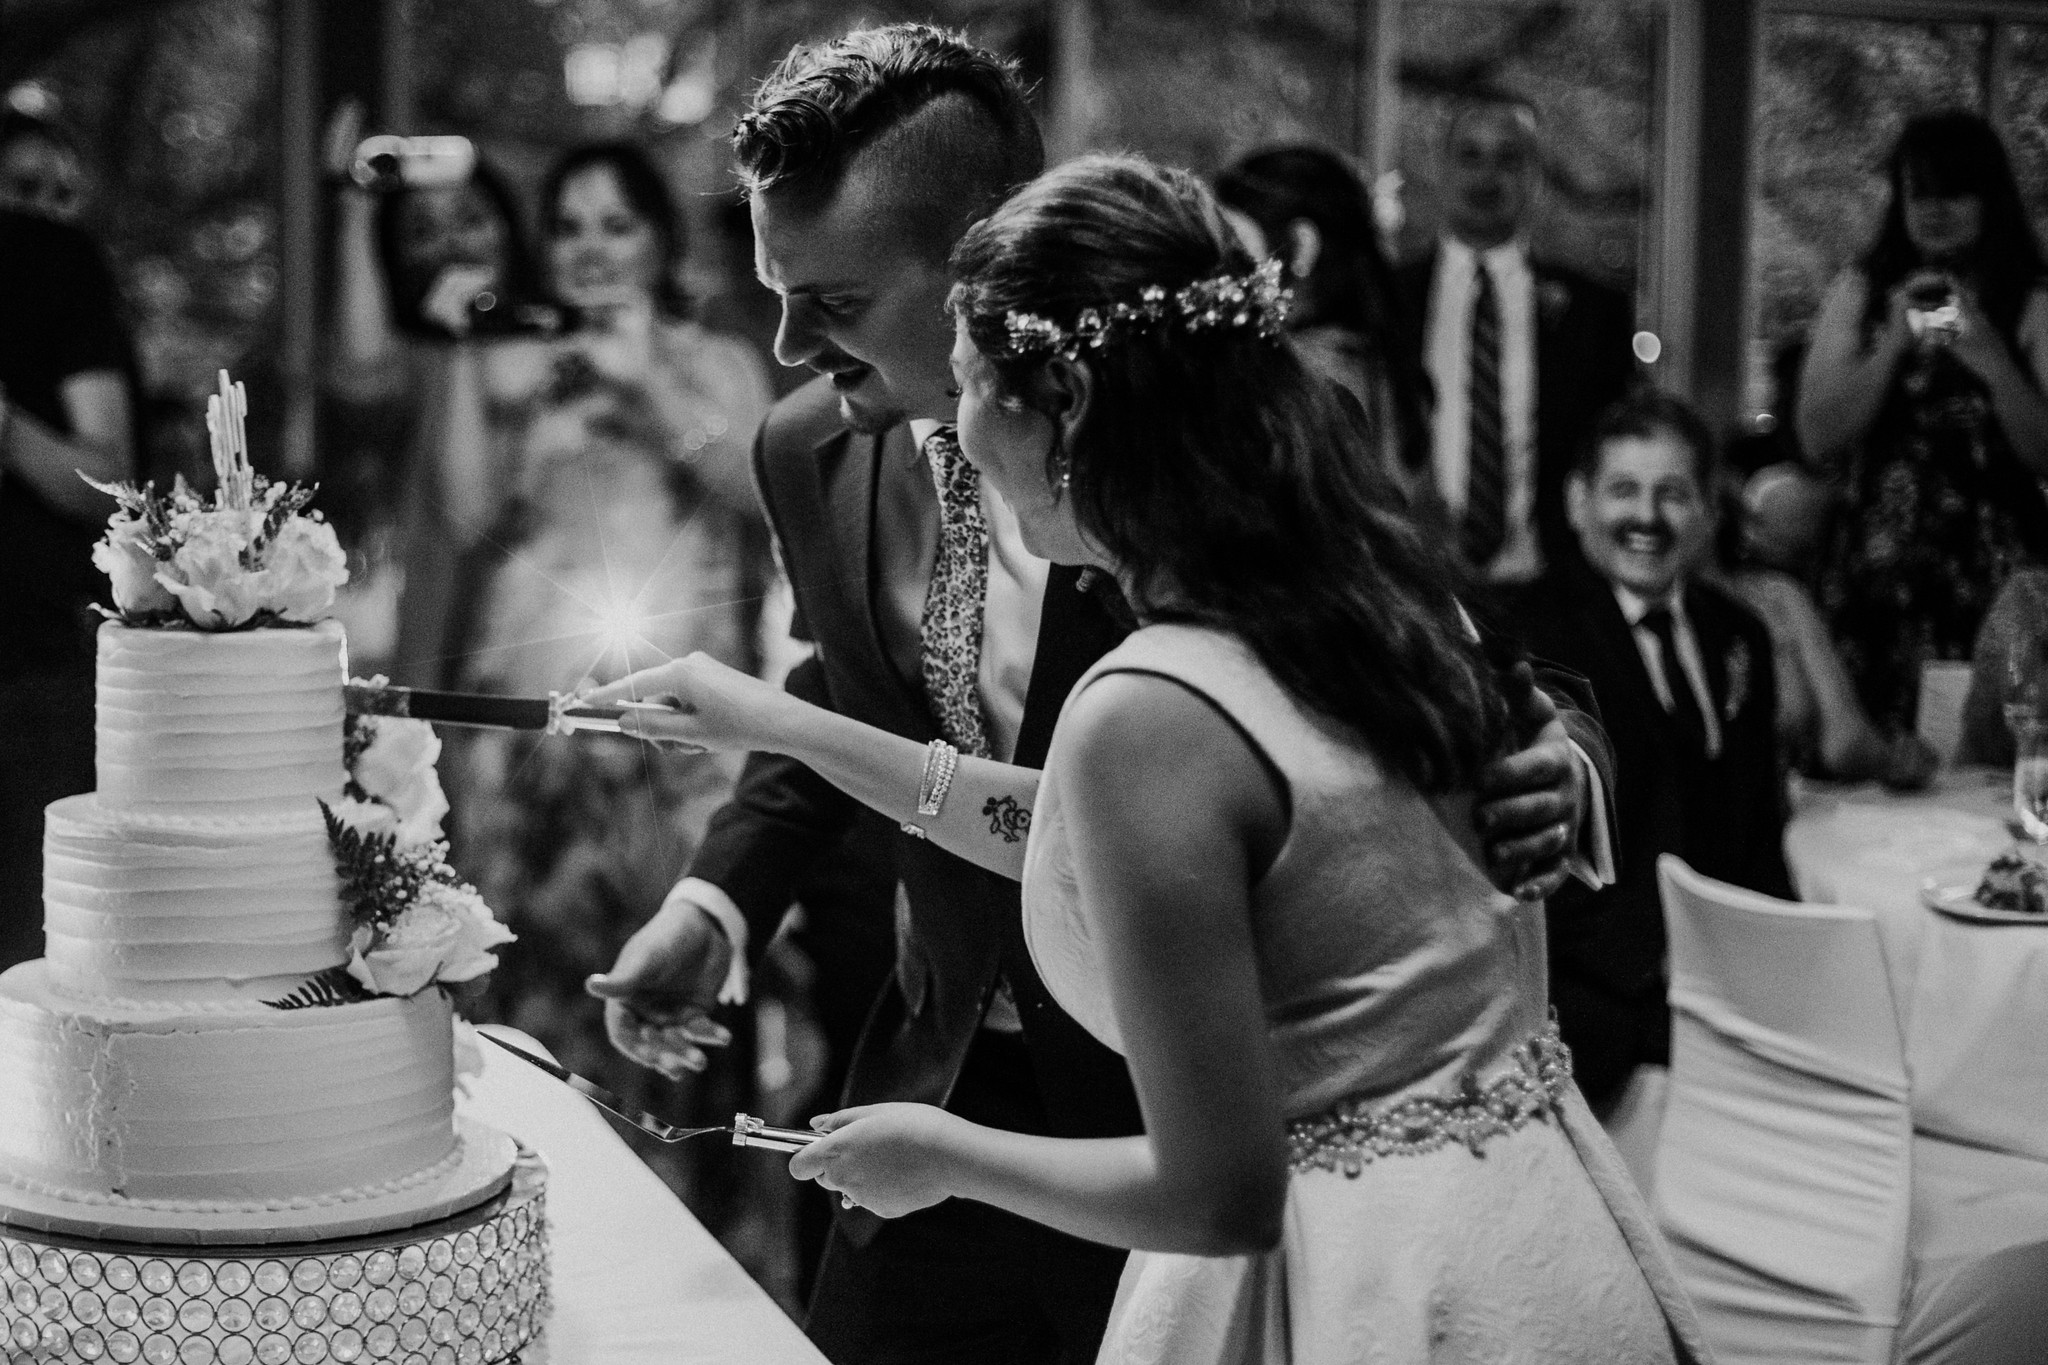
(1226, 479)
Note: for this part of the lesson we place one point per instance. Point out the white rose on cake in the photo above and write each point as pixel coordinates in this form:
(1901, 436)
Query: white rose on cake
(397, 769)
(128, 558)
(302, 566)
(206, 573)
(445, 935)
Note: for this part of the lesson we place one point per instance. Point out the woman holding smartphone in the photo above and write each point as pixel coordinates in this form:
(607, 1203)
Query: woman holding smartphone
(1922, 398)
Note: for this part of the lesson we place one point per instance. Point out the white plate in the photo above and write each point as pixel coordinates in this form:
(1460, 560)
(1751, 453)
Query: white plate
(1953, 892)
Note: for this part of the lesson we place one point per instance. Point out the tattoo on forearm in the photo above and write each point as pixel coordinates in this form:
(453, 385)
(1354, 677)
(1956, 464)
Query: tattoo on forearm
(1007, 818)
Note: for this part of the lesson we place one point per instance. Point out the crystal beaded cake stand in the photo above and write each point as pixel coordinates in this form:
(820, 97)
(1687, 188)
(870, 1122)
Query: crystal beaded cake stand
(471, 1289)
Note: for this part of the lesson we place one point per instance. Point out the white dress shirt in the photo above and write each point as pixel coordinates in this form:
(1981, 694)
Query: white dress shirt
(1634, 607)
(1446, 348)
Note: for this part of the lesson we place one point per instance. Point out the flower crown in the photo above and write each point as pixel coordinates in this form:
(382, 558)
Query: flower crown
(1253, 300)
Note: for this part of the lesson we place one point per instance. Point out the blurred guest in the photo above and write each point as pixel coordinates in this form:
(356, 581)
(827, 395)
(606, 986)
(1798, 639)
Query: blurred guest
(1786, 513)
(1304, 205)
(438, 349)
(1687, 690)
(629, 535)
(1922, 396)
(66, 394)
(41, 171)
(1823, 729)
(1523, 353)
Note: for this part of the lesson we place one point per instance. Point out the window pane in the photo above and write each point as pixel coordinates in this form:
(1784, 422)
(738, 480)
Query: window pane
(1200, 83)
(174, 109)
(1591, 71)
(2023, 113)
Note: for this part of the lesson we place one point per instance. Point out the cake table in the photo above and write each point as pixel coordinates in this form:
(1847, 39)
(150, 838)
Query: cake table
(637, 1280)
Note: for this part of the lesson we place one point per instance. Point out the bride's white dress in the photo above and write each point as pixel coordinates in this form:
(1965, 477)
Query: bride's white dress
(1485, 1217)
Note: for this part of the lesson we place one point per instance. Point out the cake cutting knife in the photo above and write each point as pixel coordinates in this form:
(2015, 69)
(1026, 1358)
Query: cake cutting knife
(558, 712)
(746, 1130)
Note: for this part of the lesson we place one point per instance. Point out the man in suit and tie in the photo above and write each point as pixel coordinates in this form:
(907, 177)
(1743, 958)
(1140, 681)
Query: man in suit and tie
(1521, 353)
(1684, 679)
(865, 158)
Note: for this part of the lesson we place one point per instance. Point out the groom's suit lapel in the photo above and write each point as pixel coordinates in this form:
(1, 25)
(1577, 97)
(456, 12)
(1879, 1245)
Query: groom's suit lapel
(852, 467)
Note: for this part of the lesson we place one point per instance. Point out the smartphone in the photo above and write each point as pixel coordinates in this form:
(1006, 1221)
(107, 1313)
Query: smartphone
(1932, 313)
(389, 162)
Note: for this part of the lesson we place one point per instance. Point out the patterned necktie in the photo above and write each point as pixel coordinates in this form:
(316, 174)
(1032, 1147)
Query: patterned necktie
(1485, 525)
(950, 632)
(1685, 707)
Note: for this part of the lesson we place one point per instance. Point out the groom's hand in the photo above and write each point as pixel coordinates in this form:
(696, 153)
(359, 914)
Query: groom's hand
(659, 995)
(1530, 802)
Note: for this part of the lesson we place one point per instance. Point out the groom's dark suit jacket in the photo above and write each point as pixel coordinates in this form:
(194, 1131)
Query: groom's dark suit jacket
(962, 926)
(1724, 815)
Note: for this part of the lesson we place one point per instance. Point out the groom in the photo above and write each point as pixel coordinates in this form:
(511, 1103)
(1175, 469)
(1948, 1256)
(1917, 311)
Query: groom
(866, 158)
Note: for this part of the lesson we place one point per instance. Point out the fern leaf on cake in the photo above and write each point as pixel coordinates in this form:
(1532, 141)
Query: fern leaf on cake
(379, 880)
(332, 987)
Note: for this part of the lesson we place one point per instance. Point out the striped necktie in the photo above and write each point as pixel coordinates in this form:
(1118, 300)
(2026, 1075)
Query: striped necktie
(949, 633)
(1485, 524)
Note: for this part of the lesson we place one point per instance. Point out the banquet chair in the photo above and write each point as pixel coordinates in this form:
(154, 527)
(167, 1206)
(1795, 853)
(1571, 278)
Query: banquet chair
(1783, 1164)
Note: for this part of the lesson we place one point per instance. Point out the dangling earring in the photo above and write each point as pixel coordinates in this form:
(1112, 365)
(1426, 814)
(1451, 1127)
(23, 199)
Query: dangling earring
(1062, 467)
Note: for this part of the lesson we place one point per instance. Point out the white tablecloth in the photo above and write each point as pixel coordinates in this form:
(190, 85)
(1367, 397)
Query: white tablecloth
(637, 1279)
(1972, 998)
(1972, 1002)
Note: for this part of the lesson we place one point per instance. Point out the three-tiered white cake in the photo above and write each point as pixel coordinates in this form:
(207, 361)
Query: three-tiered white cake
(207, 1155)
(140, 1071)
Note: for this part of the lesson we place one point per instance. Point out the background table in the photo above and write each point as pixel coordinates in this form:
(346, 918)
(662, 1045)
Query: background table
(637, 1279)
(1972, 1004)
(1972, 999)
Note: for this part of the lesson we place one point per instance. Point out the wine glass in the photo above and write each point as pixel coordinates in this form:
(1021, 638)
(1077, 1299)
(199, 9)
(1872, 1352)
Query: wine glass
(2023, 659)
(2022, 690)
(2030, 780)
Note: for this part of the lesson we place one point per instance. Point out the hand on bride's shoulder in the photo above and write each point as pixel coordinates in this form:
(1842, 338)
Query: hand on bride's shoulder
(891, 1159)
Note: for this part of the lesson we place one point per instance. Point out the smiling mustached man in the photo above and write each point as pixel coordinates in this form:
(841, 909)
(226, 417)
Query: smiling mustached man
(1684, 681)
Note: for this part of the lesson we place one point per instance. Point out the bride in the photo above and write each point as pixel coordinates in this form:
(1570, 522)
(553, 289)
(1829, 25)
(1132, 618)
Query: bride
(1251, 866)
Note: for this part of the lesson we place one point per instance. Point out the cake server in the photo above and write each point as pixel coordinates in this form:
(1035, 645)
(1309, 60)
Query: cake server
(557, 713)
(746, 1130)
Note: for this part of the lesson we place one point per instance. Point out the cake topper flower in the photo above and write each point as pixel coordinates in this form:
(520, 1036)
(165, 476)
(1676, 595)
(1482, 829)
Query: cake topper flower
(252, 556)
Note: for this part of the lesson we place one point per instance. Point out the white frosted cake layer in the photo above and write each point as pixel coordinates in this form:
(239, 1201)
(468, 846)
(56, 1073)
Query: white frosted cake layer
(142, 906)
(243, 720)
(213, 1110)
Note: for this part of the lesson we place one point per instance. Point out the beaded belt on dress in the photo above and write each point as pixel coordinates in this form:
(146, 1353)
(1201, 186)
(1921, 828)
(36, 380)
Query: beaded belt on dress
(1357, 1131)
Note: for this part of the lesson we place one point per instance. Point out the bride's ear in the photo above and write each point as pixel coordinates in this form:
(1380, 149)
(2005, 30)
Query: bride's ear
(1069, 392)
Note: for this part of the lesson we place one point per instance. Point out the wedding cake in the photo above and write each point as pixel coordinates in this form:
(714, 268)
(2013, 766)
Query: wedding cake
(227, 1126)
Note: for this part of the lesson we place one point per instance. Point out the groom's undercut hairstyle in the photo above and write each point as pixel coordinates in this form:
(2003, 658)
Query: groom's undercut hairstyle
(942, 127)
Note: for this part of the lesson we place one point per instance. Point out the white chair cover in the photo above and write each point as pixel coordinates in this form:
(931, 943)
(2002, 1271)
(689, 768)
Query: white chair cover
(1783, 1165)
